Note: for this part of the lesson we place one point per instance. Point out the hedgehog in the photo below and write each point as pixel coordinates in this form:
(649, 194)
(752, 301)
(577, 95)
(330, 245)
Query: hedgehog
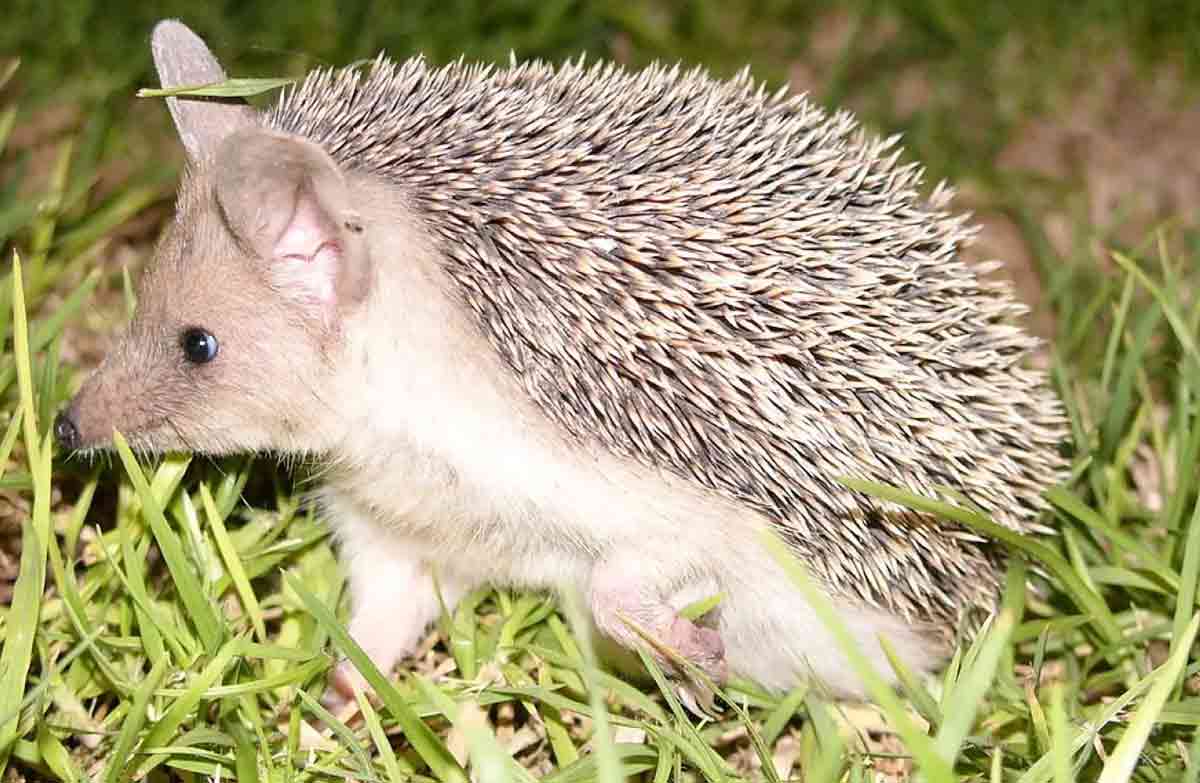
(585, 329)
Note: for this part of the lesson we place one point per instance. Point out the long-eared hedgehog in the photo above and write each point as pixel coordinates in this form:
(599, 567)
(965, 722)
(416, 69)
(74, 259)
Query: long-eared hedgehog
(581, 328)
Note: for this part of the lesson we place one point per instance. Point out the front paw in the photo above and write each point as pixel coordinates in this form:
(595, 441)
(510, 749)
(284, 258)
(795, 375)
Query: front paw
(340, 694)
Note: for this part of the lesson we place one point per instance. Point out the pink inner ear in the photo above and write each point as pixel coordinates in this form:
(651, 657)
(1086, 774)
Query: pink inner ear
(308, 251)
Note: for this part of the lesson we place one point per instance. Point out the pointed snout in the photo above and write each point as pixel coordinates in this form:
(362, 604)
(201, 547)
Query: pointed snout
(66, 430)
(107, 402)
(80, 422)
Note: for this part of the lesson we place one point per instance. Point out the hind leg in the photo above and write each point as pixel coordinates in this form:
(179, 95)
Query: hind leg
(774, 637)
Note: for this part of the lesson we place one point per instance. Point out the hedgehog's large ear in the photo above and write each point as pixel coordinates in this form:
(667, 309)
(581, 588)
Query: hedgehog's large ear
(182, 60)
(287, 202)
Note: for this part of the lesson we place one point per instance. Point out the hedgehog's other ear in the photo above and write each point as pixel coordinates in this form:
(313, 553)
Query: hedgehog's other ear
(286, 201)
(182, 60)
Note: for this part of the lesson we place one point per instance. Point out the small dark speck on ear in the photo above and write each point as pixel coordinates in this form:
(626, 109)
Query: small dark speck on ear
(354, 226)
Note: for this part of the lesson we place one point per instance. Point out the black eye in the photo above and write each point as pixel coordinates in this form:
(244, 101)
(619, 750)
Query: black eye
(199, 346)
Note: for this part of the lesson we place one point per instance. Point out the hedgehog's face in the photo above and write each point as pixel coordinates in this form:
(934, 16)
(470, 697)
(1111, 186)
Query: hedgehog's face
(239, 316)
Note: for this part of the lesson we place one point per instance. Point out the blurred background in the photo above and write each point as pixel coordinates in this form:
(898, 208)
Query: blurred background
(1068, 127)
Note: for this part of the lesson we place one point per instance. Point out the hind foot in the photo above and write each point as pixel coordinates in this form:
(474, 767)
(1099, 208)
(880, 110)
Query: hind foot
(704, 650)
(636, 614)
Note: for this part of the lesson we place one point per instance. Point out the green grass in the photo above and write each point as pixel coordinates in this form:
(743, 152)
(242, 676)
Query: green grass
(178, 619)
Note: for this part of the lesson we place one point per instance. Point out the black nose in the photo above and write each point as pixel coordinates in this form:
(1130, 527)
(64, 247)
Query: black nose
(65, 432)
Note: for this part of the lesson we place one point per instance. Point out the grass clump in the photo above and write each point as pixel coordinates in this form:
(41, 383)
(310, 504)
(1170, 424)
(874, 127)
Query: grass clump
(178, 619)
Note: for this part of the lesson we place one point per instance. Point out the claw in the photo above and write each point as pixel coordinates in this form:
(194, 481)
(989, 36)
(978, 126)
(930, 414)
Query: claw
(693, 658)
(698, 697)
(703, 666)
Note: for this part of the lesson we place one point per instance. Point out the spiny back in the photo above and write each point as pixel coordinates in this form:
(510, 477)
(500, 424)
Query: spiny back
(732, 286)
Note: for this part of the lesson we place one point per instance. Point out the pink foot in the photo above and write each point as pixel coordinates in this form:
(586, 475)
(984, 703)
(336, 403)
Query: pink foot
(700, 646)
(635, 615)
(339, 697)
(703, 667)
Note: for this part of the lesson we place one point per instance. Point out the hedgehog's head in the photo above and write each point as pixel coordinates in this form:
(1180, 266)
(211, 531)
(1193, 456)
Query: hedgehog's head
(240, 313)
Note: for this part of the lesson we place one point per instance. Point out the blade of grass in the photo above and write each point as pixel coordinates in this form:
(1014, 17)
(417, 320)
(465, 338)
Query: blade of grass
(1060, 746)
(397, 771)
(629, 761)
(608, 763)
(135, 719)
(187, 583)
(48, 212)
(278, 652)
(1121, 400)
(973, 685)
(1150, 559)
(1085, 598)
(778, 718)
(461, 633)
(428, 745)
(1188, 456)
(292, 675)
(121, 208)
(825, 745)
(1120, 765)
(1115, 332)
(200, 550)
(230, 88)
(919, 744)
(10, 438)
(22, 621)
(761, 747)
(343, 733)
(565, 752)
(152, 632)
(689, 741)
(182, 708)
(185, 647)
(921, 700)
(233, 562)
(1193, 768)
(488, 759)
(168, 475)
(1178, 324)
(1185, 602)
(667, 759)
(15, 217)
(74, 603)
(569, 671)
(47, 382)
(8, 119)
(56, 757)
